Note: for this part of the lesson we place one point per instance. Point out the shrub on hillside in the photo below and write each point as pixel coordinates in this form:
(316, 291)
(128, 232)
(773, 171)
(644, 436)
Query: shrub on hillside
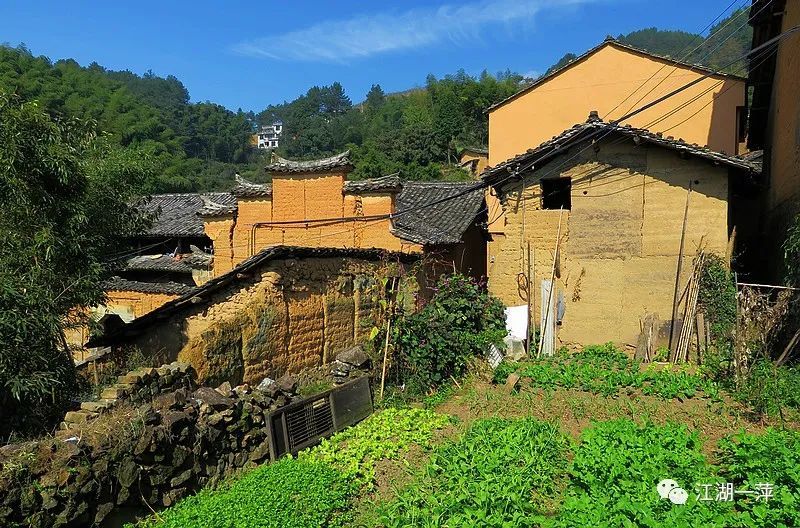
(459, 323)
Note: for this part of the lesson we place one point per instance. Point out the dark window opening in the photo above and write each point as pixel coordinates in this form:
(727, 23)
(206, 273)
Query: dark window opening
(741, 124)
(557, 193)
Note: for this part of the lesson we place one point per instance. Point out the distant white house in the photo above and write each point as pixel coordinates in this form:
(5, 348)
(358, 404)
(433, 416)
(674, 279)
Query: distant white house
(268, 136)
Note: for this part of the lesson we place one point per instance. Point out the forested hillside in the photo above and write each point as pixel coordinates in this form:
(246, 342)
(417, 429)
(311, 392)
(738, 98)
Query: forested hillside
(193, 145)
(418, 132)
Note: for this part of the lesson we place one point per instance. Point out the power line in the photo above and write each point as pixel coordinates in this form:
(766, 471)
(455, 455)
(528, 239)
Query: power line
(676, 62)
(708, 53)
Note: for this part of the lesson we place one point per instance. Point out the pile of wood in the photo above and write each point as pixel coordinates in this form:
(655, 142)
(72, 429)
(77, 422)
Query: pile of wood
(680, 352)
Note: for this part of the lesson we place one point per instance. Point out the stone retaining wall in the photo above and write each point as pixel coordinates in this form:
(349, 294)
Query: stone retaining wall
(135, 387)
(138, 457)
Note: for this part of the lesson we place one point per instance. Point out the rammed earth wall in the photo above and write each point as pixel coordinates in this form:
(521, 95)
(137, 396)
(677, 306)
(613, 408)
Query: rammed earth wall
(288, 315)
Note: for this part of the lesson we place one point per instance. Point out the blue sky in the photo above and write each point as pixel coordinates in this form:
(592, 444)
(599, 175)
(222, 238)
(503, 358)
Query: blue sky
(250, 54)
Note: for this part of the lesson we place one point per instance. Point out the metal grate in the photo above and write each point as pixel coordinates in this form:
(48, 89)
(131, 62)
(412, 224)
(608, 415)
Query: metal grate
(312, 420)
(302, 424)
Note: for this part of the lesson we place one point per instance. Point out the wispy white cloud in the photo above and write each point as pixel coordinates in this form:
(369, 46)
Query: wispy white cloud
(367, 35)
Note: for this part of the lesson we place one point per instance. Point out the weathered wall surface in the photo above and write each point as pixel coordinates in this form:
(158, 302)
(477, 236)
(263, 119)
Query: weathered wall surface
(783, 201)
(291, 315)
(482, 161)
(127, 304)
(221, 230)
(600, 83)
(619, 242)
(137, 458)
(130, 304)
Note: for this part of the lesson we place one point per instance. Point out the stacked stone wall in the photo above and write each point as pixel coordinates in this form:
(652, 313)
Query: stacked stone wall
(134, 459)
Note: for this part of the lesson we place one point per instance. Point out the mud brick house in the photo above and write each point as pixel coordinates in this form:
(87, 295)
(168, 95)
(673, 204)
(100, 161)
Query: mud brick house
(282, 310)
(623, 192)
(474, 160)
(613, 78)
(311, 204)
(774, 124)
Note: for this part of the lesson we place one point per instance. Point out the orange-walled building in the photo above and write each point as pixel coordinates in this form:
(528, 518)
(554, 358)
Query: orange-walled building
(614, 78)
(312, 204)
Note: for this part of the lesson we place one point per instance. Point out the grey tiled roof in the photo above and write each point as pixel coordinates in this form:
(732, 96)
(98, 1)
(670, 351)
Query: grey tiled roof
(476, 150)
(198, 259)
(245, 188)
(596, 128)
(172, 288)
(280, 164)
(440, 223)
(613, 42)
(157, 263)
(755, 157)
(389, 183)
(176, 215)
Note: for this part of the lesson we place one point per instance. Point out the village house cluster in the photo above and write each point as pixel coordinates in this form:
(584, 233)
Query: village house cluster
(588, 222)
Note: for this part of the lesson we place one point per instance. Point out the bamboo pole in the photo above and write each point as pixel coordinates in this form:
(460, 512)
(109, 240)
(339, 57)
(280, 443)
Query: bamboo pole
(551, 293)
(678, 272)
(767, 286)
(530, 287)
(386, 342)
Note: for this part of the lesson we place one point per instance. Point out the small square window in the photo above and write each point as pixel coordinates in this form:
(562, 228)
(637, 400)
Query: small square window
(556, 193)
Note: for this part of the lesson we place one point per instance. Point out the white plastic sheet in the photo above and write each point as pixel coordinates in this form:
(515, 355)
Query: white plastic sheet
(517, 322)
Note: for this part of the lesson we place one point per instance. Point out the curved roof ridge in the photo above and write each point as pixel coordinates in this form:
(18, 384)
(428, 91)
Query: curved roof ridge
(387, 183)
(246, 188)
(279, 164)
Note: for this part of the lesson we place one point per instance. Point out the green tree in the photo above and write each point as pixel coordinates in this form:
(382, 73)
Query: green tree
(65, 202)
(375, 97)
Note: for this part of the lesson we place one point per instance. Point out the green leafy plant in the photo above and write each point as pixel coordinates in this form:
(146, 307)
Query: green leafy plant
(459, 323)
(605, 370)
(384, 435)
(313, 490)
(749, 461)
(769, 389)
(289, 493)
(500, 473)
(615, 470)
(717, 297)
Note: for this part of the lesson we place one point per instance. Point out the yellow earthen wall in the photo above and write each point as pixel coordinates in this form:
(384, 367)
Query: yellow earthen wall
(601, 82)
(304, 196)
(483, 161)
(220, 231)
(127, 304)
(292, 315)
(783, 196)
(250, 212)
(619, 241)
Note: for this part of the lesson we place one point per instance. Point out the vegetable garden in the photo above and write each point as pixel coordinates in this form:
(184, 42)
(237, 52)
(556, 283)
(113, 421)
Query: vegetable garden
(500, 466)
